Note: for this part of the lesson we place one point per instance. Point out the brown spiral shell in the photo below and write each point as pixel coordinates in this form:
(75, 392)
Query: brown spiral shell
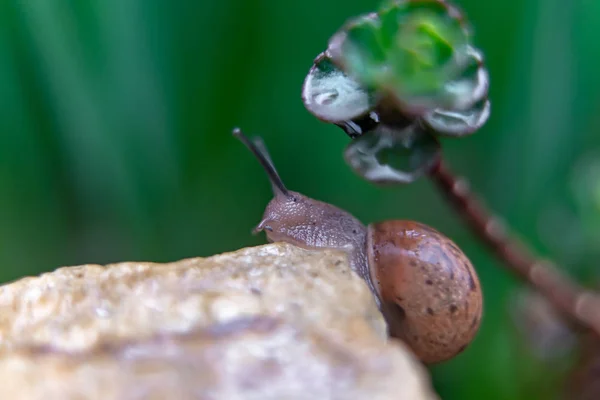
(430, 293)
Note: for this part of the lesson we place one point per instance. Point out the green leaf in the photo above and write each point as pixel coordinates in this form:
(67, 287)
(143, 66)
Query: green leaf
(410, 50)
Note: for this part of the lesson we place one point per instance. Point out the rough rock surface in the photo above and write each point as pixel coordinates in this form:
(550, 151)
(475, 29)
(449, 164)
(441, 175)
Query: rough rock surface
(269, 322)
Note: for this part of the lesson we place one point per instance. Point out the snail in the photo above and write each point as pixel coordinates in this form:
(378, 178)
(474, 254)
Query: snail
(424, 285)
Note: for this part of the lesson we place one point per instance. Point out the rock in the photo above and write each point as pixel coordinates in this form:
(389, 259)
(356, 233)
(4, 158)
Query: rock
(269, 322)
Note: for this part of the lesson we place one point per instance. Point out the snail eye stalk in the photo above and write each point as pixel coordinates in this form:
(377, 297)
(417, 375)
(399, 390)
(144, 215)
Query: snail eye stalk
(258, 148)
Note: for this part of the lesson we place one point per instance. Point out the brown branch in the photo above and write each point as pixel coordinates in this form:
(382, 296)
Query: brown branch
(579, 304)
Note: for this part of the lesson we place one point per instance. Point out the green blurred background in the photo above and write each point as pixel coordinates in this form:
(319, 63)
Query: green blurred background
(115, 120)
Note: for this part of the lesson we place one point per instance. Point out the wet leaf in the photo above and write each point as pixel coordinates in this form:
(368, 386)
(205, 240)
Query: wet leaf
(389, 156)
(472, 85)
(331, 95)
(458, 123)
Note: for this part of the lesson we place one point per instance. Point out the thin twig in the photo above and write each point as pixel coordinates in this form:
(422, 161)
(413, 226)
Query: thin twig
(582, 306)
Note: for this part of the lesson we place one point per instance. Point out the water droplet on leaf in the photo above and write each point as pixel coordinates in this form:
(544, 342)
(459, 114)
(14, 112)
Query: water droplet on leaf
(332, 96)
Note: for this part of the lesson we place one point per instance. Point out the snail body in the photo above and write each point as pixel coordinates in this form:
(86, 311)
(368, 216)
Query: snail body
(424, 285)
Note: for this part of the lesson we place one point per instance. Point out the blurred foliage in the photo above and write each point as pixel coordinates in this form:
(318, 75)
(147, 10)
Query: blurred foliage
(115, 121)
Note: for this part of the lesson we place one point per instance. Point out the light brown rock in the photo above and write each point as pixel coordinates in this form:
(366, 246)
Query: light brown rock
(269, 322)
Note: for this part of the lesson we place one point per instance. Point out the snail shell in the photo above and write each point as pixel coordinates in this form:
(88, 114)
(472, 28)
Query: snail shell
(430, 293)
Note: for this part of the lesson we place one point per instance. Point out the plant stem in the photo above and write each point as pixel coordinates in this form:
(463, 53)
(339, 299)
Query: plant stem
(580, 305)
